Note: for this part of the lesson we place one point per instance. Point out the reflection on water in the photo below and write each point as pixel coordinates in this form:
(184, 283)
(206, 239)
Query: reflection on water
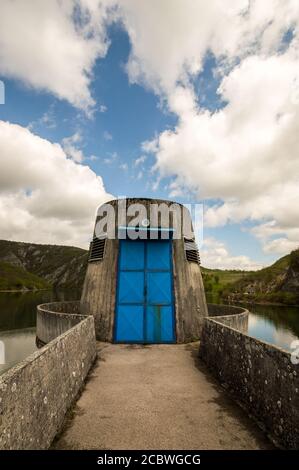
(18, 344)
(18, 320)
(18, 310)
(274, 324)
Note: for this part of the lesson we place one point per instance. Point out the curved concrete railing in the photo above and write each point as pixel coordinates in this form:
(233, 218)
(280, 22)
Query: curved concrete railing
(54, 319)
(261, 376)
(230, 315)
(219, 310)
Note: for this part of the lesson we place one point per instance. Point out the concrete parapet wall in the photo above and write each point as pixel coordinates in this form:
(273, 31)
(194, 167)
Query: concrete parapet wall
(36, 394)
(56, 318)
(261, 377)
(230, 315)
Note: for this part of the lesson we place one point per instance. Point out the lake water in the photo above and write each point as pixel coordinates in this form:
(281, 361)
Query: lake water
(18, 320)
(276, 325)
(18, 344)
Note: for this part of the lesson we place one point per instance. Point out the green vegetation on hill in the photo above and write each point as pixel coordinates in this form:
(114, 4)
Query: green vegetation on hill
(15, 278)
(278, 283)
(216, 280)
(34, 266)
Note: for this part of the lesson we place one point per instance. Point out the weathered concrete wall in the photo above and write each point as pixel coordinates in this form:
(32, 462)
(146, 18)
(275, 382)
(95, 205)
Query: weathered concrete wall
(260, 376)
(190, 302)
(55, 318)
(36, 394)
(99, 291)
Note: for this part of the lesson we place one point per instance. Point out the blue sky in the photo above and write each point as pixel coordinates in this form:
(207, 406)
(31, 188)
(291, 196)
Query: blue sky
(133, 115)
(141, 103)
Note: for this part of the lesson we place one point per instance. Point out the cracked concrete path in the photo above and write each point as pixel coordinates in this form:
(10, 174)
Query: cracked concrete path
(156, 397)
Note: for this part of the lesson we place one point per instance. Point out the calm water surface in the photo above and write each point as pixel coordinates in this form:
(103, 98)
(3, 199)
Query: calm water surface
(17, 322)
(276, 325)
(271, 323)
(18, 344)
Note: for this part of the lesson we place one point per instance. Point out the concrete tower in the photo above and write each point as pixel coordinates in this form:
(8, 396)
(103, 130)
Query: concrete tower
(143, 282)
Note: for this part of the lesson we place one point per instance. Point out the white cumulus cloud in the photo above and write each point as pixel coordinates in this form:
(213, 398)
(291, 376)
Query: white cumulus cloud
(43, 45)
(215, 255)
(45, 197)
(245, 154)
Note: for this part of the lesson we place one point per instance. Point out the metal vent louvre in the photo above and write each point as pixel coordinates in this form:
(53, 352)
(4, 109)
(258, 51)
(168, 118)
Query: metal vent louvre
(96, 250)
(191, 250)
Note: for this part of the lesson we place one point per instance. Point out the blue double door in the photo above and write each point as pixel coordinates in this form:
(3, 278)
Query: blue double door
(144, 303)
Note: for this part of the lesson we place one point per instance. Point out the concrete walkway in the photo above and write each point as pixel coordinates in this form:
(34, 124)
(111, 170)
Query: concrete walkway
(156, 397)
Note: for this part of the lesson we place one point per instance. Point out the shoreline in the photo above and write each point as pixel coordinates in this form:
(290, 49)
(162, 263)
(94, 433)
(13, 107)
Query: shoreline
(24, 291)
(246, 302)
(265, 303)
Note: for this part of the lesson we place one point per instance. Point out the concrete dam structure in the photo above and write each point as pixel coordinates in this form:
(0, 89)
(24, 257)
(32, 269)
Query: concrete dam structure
(143, 282)
(143, 286)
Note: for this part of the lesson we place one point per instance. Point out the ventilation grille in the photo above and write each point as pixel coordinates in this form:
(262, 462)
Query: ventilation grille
(191, 250)
(97, 249)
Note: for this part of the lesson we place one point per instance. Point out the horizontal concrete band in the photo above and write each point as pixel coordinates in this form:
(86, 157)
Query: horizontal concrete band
(36, 394)
(260, 376)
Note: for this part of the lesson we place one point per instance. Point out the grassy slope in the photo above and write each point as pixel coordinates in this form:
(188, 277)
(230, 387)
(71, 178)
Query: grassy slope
(13, 277)
(217, 280)
(266, 285)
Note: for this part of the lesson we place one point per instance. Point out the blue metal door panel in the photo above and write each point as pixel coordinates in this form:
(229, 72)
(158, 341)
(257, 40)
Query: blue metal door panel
(159, 288)
(144, 304)
(159, 324)
(130, 323)
(158, 255)
(131, 287)
(131, 255)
